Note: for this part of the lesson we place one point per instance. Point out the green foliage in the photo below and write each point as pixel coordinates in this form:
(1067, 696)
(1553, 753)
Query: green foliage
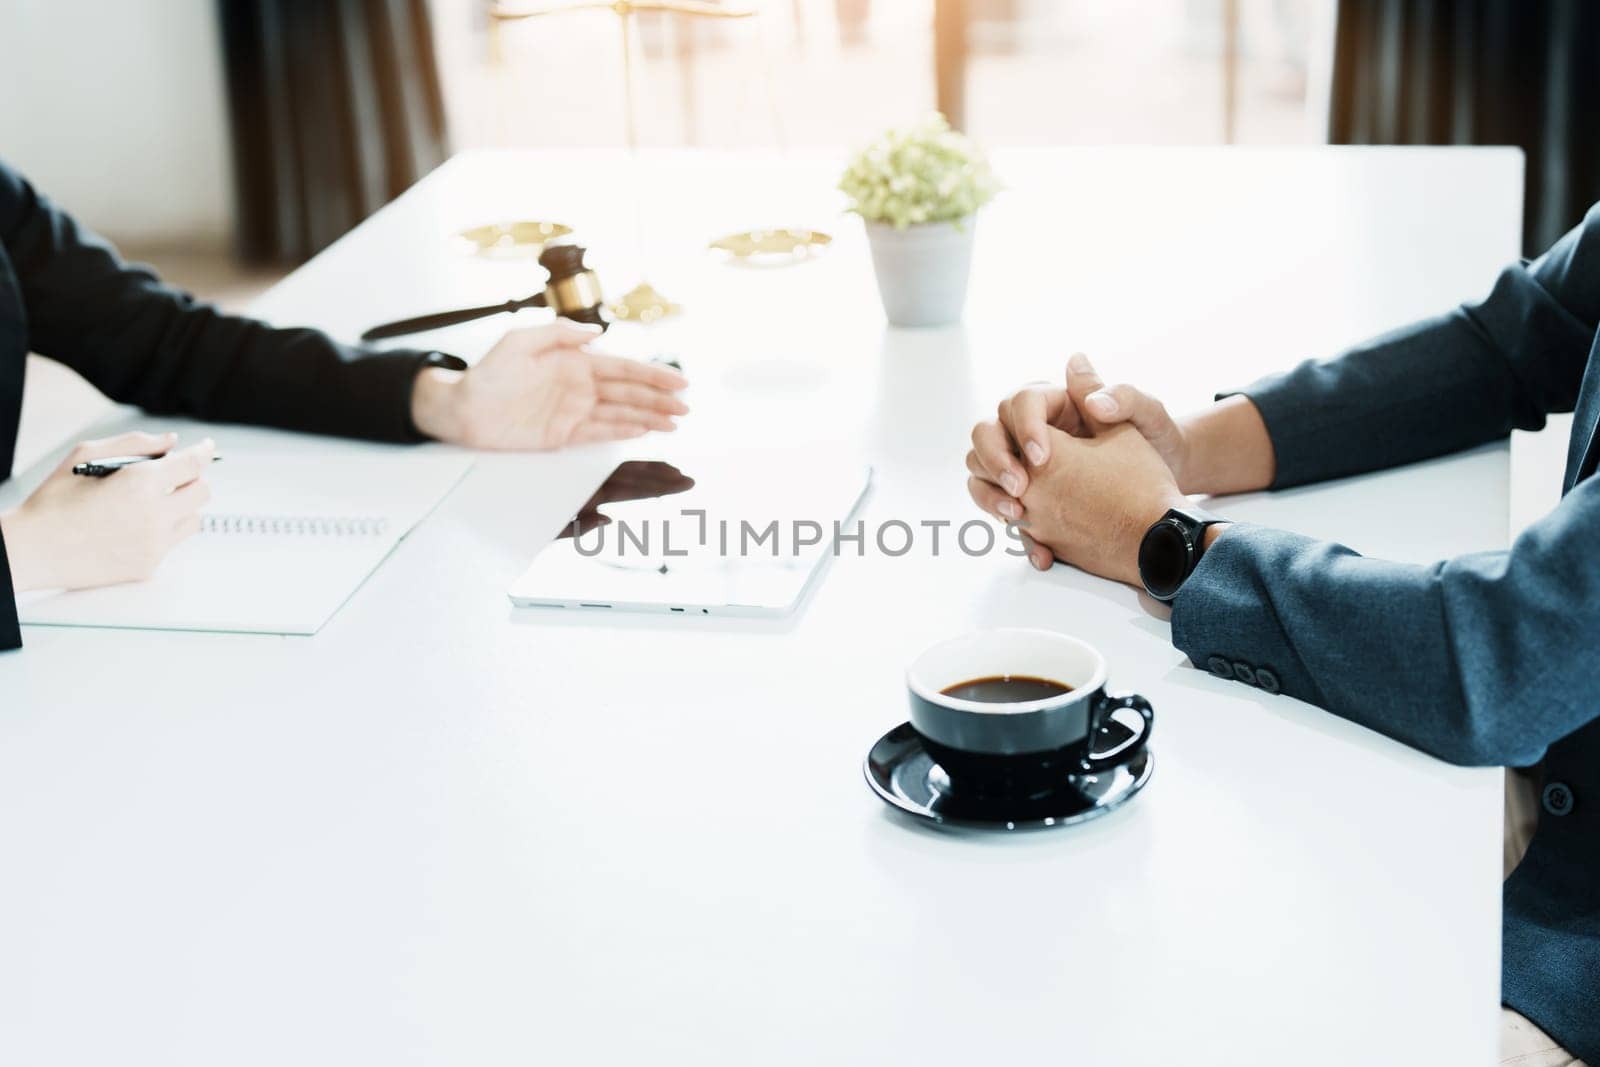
(921, 173)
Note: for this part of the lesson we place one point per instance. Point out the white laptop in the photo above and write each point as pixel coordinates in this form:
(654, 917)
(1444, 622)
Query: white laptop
(744, 535)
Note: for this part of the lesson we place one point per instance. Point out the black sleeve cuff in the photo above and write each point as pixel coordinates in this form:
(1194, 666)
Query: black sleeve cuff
(421, 363)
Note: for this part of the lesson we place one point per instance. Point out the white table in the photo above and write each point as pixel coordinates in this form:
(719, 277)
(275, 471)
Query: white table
(446, 832)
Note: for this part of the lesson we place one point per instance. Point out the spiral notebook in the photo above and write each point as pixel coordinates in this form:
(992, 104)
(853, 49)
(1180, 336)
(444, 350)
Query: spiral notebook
(294, 527)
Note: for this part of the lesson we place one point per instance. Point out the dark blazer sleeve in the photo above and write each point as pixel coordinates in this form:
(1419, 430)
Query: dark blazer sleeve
(10, 632)
(144, 343)
(1446, 383)
(1484, 659)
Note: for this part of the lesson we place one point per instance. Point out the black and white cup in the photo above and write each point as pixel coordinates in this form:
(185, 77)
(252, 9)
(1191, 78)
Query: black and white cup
(1028, 747)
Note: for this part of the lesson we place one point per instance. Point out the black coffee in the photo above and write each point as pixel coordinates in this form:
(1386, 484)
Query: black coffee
(1006, 689)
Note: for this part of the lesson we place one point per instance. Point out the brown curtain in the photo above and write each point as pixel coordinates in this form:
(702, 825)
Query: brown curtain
(1480, 72)
(336, 109)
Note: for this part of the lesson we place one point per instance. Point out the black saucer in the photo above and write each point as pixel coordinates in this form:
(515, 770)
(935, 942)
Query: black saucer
(900, 771)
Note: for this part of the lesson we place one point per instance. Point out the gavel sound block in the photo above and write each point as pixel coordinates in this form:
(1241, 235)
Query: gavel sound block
(572, 291)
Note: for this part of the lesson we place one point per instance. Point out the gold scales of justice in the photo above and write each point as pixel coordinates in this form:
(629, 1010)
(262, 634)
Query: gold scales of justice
(643, 303)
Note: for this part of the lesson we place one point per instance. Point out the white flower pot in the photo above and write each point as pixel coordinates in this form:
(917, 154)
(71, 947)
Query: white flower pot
(922, 270)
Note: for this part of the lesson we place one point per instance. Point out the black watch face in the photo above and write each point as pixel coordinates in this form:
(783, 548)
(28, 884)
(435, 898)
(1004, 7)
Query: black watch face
(1164, 560)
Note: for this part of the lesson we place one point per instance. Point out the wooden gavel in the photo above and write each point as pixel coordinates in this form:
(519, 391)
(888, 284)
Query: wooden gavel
(572, 291)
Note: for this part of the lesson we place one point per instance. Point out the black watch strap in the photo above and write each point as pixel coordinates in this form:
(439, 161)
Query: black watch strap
(427, 360)
(1171, 550)
(444, 360)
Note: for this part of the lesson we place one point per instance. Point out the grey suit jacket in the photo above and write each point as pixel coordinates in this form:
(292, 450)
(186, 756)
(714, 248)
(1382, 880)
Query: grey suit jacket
(1491, 658)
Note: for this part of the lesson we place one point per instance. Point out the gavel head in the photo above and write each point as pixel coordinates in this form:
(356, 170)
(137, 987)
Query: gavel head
(573, 291)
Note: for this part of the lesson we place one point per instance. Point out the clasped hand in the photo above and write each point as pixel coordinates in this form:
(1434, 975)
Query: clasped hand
(1083, 470)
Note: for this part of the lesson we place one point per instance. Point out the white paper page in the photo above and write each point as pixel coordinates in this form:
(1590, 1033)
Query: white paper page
(294, 527)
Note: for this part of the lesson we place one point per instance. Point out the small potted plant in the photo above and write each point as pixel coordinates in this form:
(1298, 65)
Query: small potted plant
(918, 190)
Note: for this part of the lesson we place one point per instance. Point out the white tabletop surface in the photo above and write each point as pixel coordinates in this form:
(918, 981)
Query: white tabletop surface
(443, 831)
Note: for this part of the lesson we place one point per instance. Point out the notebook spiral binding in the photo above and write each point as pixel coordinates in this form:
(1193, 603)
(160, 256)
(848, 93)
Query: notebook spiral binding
(294, 525)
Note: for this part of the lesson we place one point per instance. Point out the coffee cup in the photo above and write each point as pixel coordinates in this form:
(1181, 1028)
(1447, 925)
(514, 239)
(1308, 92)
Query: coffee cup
(1015, 712)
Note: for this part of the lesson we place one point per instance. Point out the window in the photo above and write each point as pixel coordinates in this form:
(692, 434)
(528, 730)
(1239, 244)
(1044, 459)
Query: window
(833, 72)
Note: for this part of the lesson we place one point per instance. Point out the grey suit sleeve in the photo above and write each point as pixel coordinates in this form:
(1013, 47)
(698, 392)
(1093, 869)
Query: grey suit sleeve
(1484, 659)
(1447, 383)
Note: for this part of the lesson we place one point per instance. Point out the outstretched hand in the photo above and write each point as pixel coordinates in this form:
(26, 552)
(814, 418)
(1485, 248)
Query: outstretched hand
(542, 389)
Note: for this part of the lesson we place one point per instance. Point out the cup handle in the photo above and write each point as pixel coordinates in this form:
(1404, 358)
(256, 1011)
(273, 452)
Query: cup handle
(1094, 762)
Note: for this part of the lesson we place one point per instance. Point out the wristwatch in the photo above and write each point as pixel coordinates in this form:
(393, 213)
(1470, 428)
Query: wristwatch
(443, 360)
(1171, 550)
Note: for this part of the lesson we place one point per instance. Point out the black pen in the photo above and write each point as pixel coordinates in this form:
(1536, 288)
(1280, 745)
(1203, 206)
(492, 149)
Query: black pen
(99, 468)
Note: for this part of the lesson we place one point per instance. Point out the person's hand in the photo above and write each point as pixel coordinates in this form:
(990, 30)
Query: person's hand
(76, 532)
(1091, 501)
(1224, 448)
(540, 389)
(1007, 446)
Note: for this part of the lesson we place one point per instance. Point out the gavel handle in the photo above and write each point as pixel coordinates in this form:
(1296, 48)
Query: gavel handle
(449, 318)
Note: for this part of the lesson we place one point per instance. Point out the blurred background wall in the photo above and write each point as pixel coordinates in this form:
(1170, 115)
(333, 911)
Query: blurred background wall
(116, 107)
(122, 110)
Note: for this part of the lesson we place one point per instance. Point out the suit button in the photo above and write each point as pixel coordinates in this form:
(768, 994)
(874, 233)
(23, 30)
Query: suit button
(1245, 673)
(1557, 798)
(1219, 667)
(1267, 680)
